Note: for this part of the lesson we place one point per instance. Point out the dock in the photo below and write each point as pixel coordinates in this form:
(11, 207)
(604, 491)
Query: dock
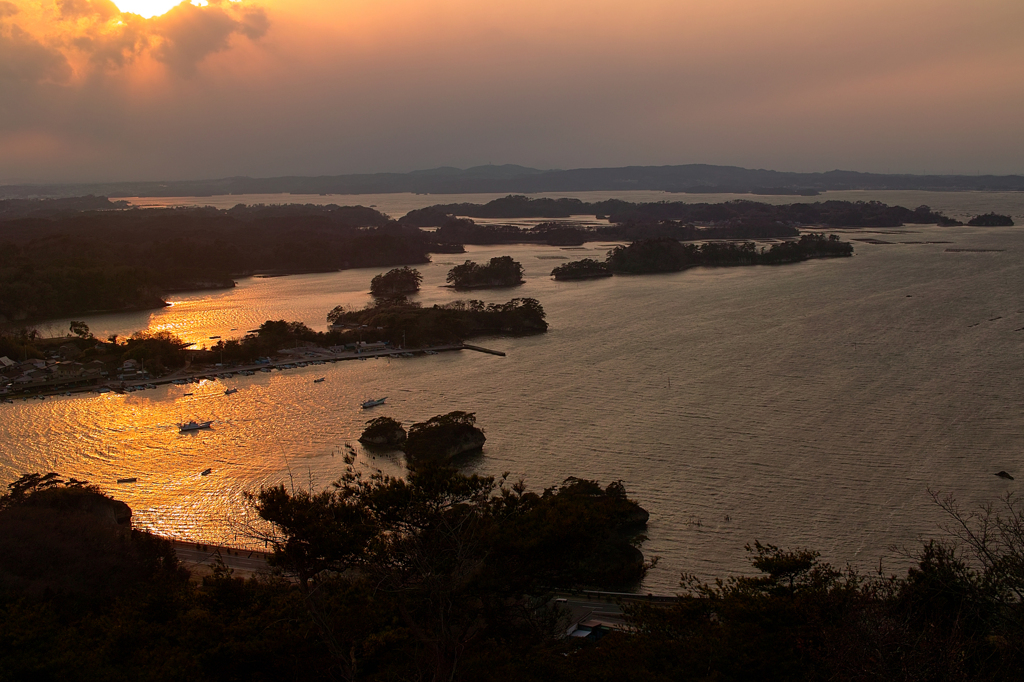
(481, 349)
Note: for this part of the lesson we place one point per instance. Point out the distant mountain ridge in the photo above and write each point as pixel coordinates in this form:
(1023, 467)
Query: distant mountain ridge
(514, 179)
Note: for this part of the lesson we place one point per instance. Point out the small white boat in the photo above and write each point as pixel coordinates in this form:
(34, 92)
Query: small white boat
(194, 425)
(374, 403)
(230, 391)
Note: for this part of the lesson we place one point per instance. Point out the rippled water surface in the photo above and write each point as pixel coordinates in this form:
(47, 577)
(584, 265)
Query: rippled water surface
(803, 405)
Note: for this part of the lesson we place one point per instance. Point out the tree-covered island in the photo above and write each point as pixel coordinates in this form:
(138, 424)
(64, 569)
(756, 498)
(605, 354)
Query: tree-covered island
(500, 271)
(991, 220)
(397, 282)
(587, 268)
(393, 320)
(436, 441)
(670, 255)
(383, 431)
(442, 438)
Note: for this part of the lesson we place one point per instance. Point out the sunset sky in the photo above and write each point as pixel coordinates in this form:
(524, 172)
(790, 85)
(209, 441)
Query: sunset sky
(91, 90)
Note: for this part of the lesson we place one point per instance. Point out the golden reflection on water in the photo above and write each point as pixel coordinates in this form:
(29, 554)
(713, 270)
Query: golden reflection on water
(103, 438)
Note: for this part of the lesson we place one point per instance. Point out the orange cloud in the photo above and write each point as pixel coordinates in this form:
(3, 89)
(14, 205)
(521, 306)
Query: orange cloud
(188, 33)
(56, 40)
(24, 58)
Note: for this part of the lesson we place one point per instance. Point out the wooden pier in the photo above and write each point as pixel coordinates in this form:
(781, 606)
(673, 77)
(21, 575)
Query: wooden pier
(481, 349)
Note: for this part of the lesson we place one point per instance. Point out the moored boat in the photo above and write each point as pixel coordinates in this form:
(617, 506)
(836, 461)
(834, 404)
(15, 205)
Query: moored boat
(374, 403)
(194, 425)
(229, 391)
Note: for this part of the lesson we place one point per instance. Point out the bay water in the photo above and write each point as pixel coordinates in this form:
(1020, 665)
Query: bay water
(807, 405)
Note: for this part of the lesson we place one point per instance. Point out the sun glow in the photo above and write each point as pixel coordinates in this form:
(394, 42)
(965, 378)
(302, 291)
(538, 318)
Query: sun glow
(152, 8)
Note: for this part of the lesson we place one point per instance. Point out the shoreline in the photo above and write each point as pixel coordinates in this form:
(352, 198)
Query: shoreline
(311, 356)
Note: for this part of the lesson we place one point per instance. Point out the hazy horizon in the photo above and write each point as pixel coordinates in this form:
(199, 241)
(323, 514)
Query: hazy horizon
(265, 88)
(428, 171)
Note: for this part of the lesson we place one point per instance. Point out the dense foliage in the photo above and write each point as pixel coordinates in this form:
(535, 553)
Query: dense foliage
(442, 437)
(390, 320)
(737, 213)
(397, 282)
(84, 598)
(383, 431)
(669, 255)
(500, 271)
(586, 268)
(444, 576)
(455, 562)
(464, 231)
(68, 264)
(272, 336)
(991, 220)
(157, 351)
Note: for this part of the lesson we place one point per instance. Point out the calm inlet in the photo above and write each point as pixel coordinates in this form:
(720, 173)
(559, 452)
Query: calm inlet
(809, 405)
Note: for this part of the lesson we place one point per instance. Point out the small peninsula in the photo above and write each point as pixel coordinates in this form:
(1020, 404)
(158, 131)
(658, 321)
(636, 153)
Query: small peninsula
(588, 268)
